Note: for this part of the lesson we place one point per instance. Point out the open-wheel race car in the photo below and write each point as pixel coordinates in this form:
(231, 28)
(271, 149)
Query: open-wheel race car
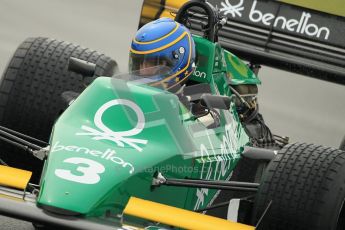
(104, 150)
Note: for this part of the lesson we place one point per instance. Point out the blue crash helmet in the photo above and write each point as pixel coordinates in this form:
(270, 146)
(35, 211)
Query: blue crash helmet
(166, 44)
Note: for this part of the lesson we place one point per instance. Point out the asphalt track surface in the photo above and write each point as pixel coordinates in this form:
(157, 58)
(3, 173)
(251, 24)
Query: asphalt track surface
(305, 109)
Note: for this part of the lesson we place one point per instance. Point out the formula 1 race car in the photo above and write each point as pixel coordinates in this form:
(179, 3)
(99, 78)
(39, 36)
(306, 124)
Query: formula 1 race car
(116, 153)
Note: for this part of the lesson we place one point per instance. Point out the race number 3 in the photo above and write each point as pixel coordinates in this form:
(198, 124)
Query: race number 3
(88, 171)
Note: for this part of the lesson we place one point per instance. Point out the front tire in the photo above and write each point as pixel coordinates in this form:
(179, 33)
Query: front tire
(306, 184)
(31, 87)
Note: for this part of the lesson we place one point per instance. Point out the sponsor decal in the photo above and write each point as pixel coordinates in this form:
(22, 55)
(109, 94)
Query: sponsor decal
(199, 74)
(232, 9)
(120, 138)
(217, 165)
(108, 154)
(300, 24)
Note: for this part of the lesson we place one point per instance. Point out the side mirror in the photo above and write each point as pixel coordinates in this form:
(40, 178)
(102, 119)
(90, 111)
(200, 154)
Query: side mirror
(87, 69)
(216, 101)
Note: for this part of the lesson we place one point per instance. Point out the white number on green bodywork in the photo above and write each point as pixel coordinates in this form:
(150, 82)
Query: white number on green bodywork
(89, 169)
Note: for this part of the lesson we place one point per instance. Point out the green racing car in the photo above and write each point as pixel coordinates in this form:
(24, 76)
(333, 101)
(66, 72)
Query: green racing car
(116, 153)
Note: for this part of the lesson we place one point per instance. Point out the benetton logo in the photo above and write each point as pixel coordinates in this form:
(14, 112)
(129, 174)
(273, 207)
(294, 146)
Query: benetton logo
(300, 25)
(121, 137)
(232, 9)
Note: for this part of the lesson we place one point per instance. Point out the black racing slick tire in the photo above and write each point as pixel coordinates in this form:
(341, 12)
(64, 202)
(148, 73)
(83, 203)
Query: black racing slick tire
(305, 184)
(31, 88)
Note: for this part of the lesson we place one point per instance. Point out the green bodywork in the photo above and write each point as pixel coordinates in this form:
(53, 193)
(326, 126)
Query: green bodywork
(214, 62)
(112, 139)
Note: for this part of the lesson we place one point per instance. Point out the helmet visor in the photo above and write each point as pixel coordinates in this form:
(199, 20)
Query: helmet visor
(149, 65)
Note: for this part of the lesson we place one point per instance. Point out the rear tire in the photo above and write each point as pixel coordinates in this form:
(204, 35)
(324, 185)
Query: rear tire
(306, 184)
(31, 87)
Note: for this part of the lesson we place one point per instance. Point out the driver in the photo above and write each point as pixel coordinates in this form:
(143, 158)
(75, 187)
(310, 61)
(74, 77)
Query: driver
(164, 51)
